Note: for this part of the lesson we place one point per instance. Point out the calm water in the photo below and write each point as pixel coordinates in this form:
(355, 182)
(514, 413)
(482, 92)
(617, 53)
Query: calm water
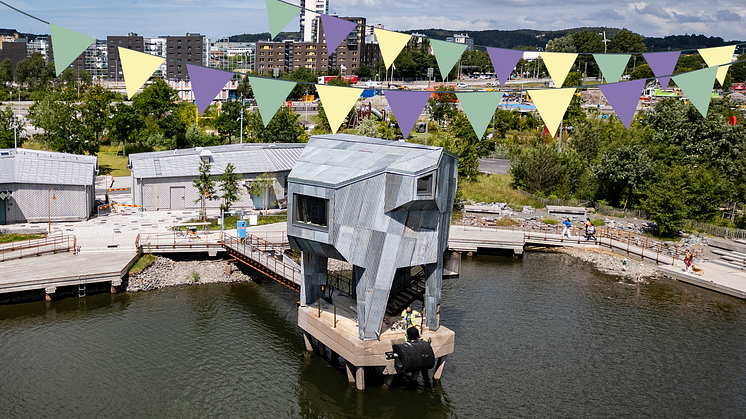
(544, 336)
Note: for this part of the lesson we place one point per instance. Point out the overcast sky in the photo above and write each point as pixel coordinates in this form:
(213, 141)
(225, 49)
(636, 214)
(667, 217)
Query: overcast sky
(218, 18)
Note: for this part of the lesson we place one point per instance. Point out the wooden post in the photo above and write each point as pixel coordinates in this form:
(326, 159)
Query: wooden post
(335, 316)
(307, 340)
(360, 378)
(319, 305)
(439, 367)
(350, 372)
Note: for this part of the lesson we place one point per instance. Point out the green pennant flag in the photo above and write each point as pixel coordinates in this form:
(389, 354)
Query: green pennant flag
(697, 86)
(67, 46)
(269, 95)
(446, 53)
(612, 65)
(479, 108)
(280, 14)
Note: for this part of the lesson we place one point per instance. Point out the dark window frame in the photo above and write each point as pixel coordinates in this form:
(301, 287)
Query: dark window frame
(303, 212)
(426, 184)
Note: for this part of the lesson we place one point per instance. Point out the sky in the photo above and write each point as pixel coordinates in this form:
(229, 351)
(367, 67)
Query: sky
(220, 18)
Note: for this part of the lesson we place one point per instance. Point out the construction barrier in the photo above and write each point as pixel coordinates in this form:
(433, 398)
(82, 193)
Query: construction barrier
(106, 206)
(131, 206)
(118, 189)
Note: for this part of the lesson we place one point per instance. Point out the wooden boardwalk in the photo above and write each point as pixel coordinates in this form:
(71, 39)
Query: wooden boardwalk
(718, 276)
(266, 258)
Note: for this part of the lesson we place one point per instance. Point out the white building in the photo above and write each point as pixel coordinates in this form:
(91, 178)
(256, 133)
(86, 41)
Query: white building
(310, 21)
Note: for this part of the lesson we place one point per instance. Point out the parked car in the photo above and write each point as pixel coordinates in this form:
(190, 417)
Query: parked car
(373, 84)
(461, 85)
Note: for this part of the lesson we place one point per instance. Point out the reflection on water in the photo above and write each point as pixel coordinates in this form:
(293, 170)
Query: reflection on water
(545, 336)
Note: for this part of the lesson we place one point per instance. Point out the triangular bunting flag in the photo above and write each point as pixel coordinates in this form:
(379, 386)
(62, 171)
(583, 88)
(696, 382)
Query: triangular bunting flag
(335, 31)
(446, 53)
(137, 68)
(623, 97)
(337, 101)
(206, 84)
(391, 44)
(407, 107)
(697, 86)
(479, 108)
(662, 64)
(67, 46)
(504, 61)
(558, 64)
(716, 57)
(552, 104)
(270, 95)
(612, 65)
(280, 14)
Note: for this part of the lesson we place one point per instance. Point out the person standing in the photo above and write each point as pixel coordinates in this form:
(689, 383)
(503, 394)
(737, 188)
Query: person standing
(687, 261)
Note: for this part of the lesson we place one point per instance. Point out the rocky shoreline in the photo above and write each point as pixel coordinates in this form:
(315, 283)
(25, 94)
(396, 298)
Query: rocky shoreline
(611, 263)
(165, 272)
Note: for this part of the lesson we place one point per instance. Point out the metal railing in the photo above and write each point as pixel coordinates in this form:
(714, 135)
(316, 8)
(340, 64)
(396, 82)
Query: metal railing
(255, 250)
(340, 282)
(179, 240)
(626, 241)
(37, 247)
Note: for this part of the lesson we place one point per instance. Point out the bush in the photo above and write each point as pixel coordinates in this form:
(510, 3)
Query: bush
(551, 221)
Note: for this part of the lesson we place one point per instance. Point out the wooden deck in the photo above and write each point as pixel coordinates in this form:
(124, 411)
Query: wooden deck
(718, 276)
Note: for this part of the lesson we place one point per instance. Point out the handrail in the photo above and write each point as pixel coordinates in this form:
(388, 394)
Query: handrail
(40, 246)
(251, 248)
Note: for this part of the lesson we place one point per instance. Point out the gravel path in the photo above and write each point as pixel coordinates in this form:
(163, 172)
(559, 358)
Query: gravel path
(165, 272)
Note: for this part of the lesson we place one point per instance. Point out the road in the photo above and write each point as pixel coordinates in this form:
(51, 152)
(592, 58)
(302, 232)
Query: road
(495, 166)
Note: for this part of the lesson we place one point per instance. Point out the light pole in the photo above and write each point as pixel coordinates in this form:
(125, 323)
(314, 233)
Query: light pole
(242, 106)
(305, 102)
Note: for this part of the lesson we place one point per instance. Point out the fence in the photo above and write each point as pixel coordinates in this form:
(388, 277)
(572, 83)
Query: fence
(559, 202)
(37, 247)
(725, 232)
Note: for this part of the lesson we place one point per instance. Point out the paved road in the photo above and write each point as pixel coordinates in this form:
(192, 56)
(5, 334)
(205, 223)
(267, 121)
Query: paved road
(496, 166)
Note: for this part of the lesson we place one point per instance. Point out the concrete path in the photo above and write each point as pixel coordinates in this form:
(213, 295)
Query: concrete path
(718, 276)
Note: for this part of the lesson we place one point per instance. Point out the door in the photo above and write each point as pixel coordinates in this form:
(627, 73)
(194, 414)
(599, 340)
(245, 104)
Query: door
(2, 211)
(178, 197)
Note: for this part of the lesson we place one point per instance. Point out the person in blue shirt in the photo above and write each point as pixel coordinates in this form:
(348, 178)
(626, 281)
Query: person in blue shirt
(566, 230)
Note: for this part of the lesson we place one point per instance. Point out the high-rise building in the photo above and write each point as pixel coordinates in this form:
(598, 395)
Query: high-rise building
(14, 50)
(131, 41)
(309, 20)
(182, 50)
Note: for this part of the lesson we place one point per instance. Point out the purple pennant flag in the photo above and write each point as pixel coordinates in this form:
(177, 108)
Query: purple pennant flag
(504, 61)
(407, 107)
(623, 97)
(335, 31)
(206, 84)
(662, 63)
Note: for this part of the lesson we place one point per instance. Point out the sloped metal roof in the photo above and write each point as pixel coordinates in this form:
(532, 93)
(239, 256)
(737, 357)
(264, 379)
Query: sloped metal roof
(46, 167)
(246, 158)
(338, 160)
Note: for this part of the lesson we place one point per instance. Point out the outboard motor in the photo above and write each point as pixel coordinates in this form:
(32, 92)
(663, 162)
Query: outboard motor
(412, 356)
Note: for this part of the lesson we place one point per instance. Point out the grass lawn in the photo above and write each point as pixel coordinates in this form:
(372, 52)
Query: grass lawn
(8, 238)
(496, 188)
(143, 262)
(111, 164)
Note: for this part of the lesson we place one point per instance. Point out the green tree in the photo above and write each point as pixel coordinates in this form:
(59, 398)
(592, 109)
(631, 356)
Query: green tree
(562, 44)
(126, 125)
(243, 90)
(6, 71)
(7, 135)
(625, 42)
(228, 123)
(642, 71)
(158, 99)
(63, 128)
(588, 43)
(666, 202)
(364, 72)
(97, 109)
(538, 169)
(34, 71)
(303, 75)
(205, 187)
(283, 128)
(229, 184)
(263, 186)
(622, 172)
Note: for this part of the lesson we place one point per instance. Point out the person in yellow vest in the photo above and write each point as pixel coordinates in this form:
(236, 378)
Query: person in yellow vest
(409, 317)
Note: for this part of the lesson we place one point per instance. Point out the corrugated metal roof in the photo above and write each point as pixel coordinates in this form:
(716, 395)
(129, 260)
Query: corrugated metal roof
(246, 158)
(338, 160)
(46, 167)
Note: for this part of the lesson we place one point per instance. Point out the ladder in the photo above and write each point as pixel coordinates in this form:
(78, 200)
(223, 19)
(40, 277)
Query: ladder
(81, 287)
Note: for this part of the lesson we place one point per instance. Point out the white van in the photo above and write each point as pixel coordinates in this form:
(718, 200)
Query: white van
(371, 83)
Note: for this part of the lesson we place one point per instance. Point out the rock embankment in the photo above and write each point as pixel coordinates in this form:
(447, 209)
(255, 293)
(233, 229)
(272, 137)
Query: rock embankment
(165, 272)
(611, 263)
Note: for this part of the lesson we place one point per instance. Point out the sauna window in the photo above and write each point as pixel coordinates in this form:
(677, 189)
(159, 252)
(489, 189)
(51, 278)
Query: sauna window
(312, 211)
(425, 185)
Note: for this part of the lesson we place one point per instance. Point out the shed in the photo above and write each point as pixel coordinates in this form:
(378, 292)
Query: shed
(380, 205)
(164, 179)
(39, 186)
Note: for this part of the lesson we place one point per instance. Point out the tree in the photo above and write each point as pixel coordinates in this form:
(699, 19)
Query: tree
(263, 186)
(97, 109)
(158, 99)
(538, 169)
(243, 90)
(364, 72)
(34, 71)
(62, 125)
(642, 71)
(205, 187)
(303, 75)
(125, 125)
(625, 42)
(588, 43)
(666, 202)
(229, 185)
(368, 128)
(621, 172)
(563, 44)
(7, 135)
(228, 122)
(283, 128)
(6, 71)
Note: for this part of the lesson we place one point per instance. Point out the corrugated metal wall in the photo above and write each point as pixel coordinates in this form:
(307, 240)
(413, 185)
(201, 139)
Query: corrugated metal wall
(37, 203)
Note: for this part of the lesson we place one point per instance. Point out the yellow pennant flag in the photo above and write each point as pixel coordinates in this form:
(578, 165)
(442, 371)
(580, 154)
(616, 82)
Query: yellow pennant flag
(718, 56)
(552, 104)
(137, 68)
(558, 64)
(337, 102)
(391, 44)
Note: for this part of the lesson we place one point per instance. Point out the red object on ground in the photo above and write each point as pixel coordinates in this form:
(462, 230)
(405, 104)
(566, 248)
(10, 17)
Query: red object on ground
(732, 120)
